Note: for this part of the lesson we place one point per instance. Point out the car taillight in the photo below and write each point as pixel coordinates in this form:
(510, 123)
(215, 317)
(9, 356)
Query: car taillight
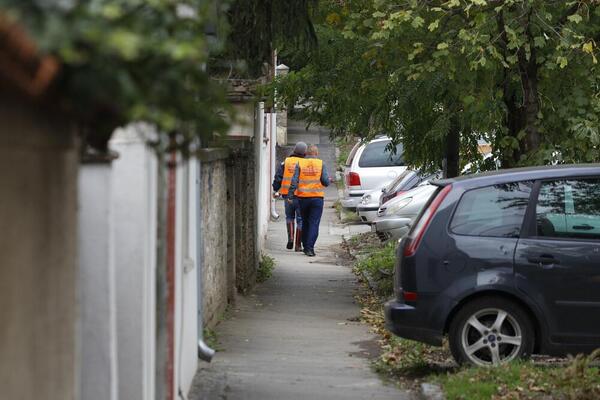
(353, 179)
(417, 234)
(409, 296)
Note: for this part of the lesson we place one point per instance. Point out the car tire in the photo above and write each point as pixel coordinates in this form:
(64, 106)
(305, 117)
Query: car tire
(490, 331)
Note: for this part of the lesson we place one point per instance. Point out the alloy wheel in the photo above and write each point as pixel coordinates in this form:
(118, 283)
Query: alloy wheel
(491, 336)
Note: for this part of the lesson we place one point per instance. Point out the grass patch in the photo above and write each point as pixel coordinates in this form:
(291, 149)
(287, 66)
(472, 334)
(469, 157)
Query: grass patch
(265, 268)
(378, 266)
(526, 380)
(346, 216)
(211, 339)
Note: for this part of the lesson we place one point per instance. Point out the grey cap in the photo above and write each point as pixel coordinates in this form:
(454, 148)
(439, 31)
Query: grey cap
(300, 148)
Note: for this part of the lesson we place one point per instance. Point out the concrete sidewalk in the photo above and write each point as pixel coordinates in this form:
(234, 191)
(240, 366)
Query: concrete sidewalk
(294, 337)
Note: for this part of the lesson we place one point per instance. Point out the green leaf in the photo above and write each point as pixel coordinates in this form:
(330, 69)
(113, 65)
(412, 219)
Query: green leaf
(588, 47)
(562, 61)
(576, 18)
(418, 22)
(539, 41)
(434, 25)
(442, 46)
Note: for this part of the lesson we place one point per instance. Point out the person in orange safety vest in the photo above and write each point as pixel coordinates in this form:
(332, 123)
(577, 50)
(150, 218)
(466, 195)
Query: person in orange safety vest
(308, 184)
(281, 186)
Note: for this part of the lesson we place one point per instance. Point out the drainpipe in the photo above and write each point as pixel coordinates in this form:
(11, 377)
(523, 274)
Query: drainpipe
(205, 353)
(273, 134)
(171, 225)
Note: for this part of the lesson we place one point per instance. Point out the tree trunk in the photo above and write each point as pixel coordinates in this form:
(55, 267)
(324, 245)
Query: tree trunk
(452, 149)
(531, 105)
(528, 71)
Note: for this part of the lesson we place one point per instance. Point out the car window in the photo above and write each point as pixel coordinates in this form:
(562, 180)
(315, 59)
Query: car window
(569, 209)
(379, 154)
(495, 211)
(391, 187)
(352, 154)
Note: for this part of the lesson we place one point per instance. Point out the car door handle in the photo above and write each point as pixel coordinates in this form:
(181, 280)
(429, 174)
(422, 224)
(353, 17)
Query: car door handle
(544, 259)
(584, 227)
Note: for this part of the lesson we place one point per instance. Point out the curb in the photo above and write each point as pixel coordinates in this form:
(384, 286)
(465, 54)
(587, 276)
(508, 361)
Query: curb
(431, 391)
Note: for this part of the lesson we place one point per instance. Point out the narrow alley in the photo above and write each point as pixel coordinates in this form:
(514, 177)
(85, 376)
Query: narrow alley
(296, 336)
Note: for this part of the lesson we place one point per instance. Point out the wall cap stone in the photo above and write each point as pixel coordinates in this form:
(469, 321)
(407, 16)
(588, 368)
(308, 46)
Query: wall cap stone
(212, 154)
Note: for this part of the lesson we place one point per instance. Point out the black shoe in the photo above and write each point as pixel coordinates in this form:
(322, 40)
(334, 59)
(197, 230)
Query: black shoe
(310, 253)
(290, 245)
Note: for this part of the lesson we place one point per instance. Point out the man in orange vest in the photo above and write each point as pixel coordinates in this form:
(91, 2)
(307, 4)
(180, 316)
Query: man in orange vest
(308, 184)
(281, 186)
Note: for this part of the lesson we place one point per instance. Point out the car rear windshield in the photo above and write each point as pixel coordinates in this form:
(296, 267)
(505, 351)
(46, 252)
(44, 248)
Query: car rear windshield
(352, 154)
(379, 154)
(495, 211)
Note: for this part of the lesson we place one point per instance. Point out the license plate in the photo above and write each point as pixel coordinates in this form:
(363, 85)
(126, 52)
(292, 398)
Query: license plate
(373, 228)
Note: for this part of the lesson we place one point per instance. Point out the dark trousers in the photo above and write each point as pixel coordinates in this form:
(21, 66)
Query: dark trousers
(311, 209)
(292, 211)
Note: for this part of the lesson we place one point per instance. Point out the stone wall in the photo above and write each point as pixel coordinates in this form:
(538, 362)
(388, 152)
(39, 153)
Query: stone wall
(230, 259)
(214, 235)
(243, 219)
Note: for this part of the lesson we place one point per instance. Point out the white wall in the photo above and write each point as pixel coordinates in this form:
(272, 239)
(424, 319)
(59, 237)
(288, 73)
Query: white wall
(98, 334)
(263, 174)
(135, 215)
(186, 302)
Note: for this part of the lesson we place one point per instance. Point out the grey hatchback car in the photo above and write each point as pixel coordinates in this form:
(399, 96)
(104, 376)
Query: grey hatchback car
(506, 264)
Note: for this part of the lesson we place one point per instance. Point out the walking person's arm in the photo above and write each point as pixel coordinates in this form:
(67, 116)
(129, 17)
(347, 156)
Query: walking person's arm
(278, 177)
(324, 176)
(294, 184)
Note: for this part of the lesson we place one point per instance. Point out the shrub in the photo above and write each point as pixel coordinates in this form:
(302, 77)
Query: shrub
(265, 268)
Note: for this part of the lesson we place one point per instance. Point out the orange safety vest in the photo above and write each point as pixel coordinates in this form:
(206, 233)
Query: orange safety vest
(309, 182)
(289, 167)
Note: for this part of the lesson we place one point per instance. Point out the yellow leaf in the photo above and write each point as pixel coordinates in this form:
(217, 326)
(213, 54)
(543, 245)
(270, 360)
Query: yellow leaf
(588, 47)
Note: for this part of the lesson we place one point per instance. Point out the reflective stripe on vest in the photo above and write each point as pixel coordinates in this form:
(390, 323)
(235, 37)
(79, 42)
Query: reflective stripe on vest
(309, 182)
(289, 167)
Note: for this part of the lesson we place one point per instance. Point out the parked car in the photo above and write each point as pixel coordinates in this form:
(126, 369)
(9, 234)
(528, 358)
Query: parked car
(370, 166)
(369, 205)
(405, 182)
(506, 263)
(395, 217)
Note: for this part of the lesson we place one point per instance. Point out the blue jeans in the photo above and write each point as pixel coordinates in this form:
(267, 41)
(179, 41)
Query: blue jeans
(312, 210)
(293, 211)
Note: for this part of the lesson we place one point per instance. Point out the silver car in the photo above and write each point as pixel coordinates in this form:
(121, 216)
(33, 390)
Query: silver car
(370, 166)
(369, 205)
(395, 217)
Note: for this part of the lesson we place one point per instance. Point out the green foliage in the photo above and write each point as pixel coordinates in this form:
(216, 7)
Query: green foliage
(521, 74)
(525, 380)
(408, 358)
(212, 340)
(126, 60)
(265, 268)
(259, 26)
(379, 266)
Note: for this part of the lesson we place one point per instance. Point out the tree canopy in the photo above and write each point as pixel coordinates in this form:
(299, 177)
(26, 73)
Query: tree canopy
(440, 75)
(146, 60)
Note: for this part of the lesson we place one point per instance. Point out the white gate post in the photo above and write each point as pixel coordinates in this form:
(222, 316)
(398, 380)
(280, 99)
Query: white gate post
(97, 283)
(135, 214)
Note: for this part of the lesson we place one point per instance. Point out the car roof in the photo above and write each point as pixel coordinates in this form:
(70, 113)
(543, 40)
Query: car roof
(521, 174)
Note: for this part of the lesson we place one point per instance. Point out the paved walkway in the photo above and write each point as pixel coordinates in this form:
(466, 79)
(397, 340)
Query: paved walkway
(294, 337)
